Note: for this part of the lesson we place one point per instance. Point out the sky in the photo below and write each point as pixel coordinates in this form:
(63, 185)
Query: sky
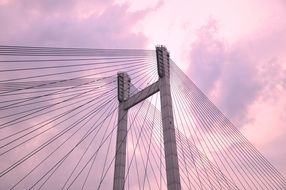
(233, 50)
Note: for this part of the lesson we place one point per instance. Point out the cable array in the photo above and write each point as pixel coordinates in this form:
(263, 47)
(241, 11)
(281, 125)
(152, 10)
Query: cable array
(221, 155)
(59, 114)
(59, 117)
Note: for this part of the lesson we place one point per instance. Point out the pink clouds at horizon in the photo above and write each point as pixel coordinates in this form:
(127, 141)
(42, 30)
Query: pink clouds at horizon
(233, 50)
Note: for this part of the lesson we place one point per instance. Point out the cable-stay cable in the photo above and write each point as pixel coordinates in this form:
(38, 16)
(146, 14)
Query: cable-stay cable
(199, 101)
(135, 160)
(38, 91)
(70, 79)
(204, 152)
(54, 118)
(84, 153)
(133, 121)
(179, 156)
(110, 164)
(140, 150)
(179, 100)
(49, 84)
(88, 133)
(41, 147)
(235, 131)
(182, 150)
(66, 93)
(34, 91)
(57, 123)
(137, 132)
(238, 136)
(106, 156)
(254, 170)
(157, 134)
(250, 174)
(52, 51)
(149, 146)
(104, 174)
(23, 116)
(71, 107)
(69, 117)
(226, 160)
(180, 141)
(205, 160)
(152, 153)
(32, 87)
(192, 157)
(42, 132)
(74, 59)
(14, 121)
(111, 111)
(125, 60)
(42, 108)
(50, 154)
(90, 160)
(107, 153)
(62, 90)
(143, 133)
(54, 151)
(9, 106)
(136, 145)
(93, 160)
(16, 88)
(41, 85)
(216, 164)
(87, 93)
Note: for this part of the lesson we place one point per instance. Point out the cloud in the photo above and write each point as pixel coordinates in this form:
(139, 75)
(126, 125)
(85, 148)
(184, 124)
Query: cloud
(223, 72)
(70, 23)
(207, 57)
(246, 80)
(244, 72)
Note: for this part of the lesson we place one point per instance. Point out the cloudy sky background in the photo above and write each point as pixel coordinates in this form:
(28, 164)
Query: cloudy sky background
(233, 50)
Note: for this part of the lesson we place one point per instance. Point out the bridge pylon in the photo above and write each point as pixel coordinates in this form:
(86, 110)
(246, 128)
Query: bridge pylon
(169, 136)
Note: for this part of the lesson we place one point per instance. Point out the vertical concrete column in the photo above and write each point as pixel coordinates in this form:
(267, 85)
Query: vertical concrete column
(120, 158)
(170, 147)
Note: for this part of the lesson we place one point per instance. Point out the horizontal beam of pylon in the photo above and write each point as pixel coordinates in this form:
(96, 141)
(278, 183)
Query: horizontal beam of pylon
(142, 95)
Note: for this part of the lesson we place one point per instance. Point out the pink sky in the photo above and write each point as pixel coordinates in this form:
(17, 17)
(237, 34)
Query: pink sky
(233, 50)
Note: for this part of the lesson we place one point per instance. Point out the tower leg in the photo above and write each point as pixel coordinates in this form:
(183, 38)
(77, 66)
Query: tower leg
(121, 139)
(169, 135)
(120, 157)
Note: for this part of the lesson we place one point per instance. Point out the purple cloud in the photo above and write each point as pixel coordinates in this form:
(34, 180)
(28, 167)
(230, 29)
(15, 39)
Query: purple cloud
(70, 23)
(232, 72)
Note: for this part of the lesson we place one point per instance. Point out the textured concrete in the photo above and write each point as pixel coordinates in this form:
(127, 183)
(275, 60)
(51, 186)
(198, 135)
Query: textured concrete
(142, 95)
(170, 147)
(120, 157)
(126, 102)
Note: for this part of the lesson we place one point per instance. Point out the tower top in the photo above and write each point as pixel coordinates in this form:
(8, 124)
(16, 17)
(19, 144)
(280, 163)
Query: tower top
(123, 81)
(163, 61)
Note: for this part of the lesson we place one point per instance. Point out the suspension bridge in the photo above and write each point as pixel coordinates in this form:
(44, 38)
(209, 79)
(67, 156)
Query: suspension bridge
(79, 118)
